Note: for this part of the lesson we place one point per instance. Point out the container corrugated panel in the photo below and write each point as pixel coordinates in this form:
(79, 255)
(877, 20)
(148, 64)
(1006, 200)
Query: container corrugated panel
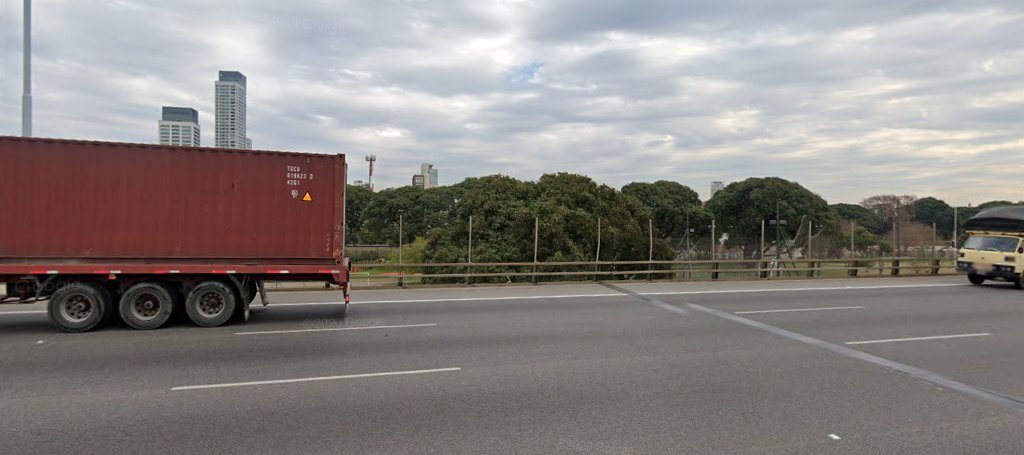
(80, 201)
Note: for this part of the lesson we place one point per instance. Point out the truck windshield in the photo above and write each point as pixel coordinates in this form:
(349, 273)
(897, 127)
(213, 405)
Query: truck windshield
(990, 243)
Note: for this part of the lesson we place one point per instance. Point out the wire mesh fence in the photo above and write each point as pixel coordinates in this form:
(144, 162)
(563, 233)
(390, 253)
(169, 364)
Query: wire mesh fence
(716, 252)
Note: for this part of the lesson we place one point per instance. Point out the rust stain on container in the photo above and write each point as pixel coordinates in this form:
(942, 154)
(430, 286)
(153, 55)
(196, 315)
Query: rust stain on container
(82, 201)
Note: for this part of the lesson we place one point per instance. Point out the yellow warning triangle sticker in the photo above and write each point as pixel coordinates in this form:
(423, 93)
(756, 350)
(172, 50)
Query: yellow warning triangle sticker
(307, 197)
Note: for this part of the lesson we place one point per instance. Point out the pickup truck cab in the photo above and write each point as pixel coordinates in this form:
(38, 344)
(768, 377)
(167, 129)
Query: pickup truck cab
(995, 248)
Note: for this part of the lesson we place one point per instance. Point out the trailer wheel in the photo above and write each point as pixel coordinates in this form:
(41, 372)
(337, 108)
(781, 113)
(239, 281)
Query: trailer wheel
(146, 306)
(975, 279)
(78, 307)
(210, 304)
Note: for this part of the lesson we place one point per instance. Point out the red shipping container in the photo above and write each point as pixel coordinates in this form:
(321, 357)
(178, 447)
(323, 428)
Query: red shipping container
(82, 202)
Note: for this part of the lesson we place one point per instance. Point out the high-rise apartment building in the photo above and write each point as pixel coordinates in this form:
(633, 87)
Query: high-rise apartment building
(427, 178)
(716, 186)
(230, 111)
(179, 126)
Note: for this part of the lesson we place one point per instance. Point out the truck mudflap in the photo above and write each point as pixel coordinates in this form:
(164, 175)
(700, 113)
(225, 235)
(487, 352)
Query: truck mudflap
(347, 291)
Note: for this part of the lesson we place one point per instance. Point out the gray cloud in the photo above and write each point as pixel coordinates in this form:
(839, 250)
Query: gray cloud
(849, 99)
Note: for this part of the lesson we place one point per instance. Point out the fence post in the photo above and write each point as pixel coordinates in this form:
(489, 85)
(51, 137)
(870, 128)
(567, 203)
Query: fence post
(469, 266)
(934, 239)
(895, 267)
(853, 235)
(762, 264)
(650, 249)
(536, 237)
(714, 270)
(810, 263)
(597, 256)
(714, 253)
(401, 267)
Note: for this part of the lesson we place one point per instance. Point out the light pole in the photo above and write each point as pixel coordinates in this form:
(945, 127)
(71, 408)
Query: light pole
(26, 95)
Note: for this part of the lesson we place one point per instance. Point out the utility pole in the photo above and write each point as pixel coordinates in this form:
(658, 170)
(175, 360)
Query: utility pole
(597, 255)
(26, 95)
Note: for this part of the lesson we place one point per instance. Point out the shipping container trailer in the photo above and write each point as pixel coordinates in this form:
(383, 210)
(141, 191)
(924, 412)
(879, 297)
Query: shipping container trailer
(139, 231)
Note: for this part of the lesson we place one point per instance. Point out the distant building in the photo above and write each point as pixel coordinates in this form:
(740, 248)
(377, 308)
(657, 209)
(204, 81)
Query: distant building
(179, 126)
(716, 187)
(230, 111)
(427, 178)
(361, 183)
(248, 144)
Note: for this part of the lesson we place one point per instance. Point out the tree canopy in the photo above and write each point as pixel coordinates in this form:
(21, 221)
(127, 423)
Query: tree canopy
(863, 217)
(673, 205)
(741, 206)
(930, 210)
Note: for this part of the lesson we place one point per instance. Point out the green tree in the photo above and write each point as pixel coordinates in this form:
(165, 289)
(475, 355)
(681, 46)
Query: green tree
(741, 206)
(357, 198)
(862, 216)
(673, 205)
(866, 241)
(567, 206)
(991, 204)
(931, 210)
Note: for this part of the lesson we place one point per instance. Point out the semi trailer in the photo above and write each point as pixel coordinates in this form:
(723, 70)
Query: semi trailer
(138, 232)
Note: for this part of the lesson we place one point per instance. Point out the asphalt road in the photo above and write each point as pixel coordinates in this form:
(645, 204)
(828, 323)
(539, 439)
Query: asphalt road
(894, 366)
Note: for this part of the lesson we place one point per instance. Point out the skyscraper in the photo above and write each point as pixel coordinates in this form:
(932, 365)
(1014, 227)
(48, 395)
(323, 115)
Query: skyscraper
(179, 126)
(429, 175)
(230, 115)
(716, 186)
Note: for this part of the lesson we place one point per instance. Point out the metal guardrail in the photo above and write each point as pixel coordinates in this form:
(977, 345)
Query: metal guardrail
(650, 270)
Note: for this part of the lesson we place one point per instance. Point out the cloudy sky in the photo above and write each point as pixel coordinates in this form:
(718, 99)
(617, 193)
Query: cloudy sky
(849, 99)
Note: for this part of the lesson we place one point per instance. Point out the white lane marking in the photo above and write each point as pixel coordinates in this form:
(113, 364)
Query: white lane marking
(802, 309)
(322, 378)
(458, 299)
(937, 337)
(831, 288)
(577, 296)
(23, 312)
(834, 437)
(335, 329)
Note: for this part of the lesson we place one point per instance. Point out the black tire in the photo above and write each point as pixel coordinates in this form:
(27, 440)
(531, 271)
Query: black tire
(146, 306)
(1018, 283)
(975, 279)
(78, 307)
(210, 304)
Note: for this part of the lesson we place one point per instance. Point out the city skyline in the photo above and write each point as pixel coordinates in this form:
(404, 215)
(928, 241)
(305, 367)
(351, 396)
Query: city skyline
(848, 100)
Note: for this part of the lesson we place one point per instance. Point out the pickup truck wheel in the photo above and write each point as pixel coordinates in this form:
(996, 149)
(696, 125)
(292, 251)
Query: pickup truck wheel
(146, 306)
(1018, 283)
(210, 304)
(78, 307)
(975, 279)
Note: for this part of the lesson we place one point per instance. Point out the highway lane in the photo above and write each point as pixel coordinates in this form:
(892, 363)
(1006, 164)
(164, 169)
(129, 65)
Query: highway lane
(574, 368)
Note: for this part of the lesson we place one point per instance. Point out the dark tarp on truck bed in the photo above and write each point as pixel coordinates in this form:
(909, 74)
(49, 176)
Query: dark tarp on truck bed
(1000, 219)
